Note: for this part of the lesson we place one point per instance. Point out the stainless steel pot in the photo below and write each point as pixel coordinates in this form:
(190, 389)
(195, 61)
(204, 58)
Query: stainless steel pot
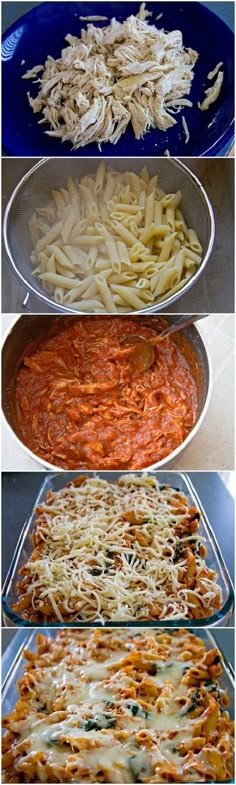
(28, 329)
(34, 189)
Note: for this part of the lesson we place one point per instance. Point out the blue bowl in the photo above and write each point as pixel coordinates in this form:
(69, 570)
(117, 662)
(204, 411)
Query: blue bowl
(41, 32)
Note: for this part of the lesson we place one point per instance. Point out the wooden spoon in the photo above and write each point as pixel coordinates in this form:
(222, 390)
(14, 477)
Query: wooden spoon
(143, 354)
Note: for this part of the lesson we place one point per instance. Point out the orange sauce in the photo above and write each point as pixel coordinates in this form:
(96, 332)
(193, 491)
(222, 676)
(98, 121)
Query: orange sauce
(82, 403)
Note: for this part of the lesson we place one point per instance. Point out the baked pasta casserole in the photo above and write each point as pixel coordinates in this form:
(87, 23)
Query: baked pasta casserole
(117, 551)
(119, 706)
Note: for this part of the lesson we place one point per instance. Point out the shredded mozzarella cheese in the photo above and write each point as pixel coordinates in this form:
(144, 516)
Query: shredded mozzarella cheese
(118, 552)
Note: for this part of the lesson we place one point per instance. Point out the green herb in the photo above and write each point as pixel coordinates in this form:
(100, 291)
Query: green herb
(135, 709)
(212, 687)
(152, 669)
(195, 701)
(95, 571)
(103, 720)
(90, 725)
(129, 557)
(178, 552)
(196, 516)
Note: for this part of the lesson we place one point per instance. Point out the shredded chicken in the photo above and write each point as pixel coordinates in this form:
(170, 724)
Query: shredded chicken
(113, 75)
(214, 73)
(185, 129)
(93, 18)
(212, 93)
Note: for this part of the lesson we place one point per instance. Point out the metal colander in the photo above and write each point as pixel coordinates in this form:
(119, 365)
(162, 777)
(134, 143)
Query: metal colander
(34, 191)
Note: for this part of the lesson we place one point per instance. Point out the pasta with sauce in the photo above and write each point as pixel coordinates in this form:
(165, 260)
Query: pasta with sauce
(119, 706)
(128, 551)
(83, 402)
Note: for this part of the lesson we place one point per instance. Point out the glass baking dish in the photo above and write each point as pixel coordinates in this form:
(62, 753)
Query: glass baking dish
(13, 666)
(214, 558)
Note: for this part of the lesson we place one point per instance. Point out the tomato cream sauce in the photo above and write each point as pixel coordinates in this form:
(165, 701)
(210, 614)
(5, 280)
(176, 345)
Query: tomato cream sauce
(83, 403)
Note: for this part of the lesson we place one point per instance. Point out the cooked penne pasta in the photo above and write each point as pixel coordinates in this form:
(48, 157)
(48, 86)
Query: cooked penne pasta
(108, 224)
(136, 705)
(105, 294)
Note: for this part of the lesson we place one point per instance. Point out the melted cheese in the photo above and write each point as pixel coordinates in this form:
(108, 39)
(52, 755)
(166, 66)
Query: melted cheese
(107, 716)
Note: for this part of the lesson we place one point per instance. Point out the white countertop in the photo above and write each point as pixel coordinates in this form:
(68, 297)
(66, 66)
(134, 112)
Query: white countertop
(213, 446)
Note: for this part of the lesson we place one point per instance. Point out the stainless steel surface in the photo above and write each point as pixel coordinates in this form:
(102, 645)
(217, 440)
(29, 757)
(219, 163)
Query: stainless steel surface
(31, 328)
(34, 190)
(182, 322)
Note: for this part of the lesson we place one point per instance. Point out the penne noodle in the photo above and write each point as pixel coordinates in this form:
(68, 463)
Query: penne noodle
(49, 237)
(99, 179)
(102, 264)
(33, 229)
(135, 184)
(123, 253)
(189, 263)
(149, 210)
(129, 295)
(181, 222)
(62, 270)
(153, 230)
(171, 200)
(167, 248)
(67, 223)
(65, 195)
(59, 280)
(152, 184)
(142, 199)
(59, 294)
(124, 233)
(86, 193)
(158, 212)
(194, 242)
(78, 229)
(79, 289)
(91, 291)
(43, 262)
(71, 187)
(128, 208)
(90, 239)
(61, 257)
(170, 217)
(167, 279)
(109, 187)
(192, 255)
(103, 231)
(144, 174)
(124, 277)
(88, 306)
(113, 255)
(58, 199)
(105, 294)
